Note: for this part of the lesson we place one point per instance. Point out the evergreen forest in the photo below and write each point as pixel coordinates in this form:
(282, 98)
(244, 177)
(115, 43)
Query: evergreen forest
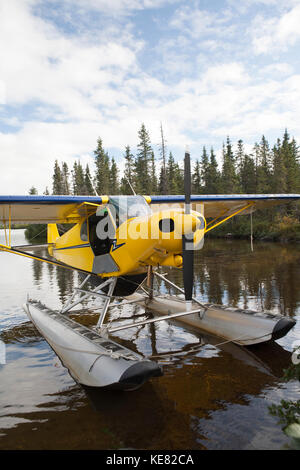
(154, 170)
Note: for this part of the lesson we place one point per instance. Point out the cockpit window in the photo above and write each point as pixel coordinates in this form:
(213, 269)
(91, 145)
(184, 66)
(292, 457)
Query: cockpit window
(123, 208)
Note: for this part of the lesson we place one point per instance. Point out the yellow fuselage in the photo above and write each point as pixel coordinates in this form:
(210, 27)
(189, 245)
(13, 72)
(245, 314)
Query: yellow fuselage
(153, 239)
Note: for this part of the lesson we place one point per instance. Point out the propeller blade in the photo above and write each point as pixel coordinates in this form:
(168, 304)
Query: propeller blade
(187, 243)
(187, 182)
(188, 268)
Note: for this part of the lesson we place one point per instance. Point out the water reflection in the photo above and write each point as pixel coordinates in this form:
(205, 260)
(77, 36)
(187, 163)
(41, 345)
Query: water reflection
(266, 279)
(212, 395)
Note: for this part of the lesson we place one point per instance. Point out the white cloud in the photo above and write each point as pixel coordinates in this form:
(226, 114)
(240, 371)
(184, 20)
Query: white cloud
(42, 65)
(243, 6)
(196, 22)
(77, 87)
(277, 69)
(2, 92)
(119, 7)
(275, 33)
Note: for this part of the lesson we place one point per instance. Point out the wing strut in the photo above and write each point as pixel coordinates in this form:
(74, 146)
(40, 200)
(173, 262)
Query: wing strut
(15, 251)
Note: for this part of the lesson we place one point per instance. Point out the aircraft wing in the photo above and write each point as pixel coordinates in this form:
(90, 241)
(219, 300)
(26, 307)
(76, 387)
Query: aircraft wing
(220, 205)
(36, 209)
(47, 209)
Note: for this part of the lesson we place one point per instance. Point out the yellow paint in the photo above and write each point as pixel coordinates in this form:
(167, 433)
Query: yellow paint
(148, 199)
(145, 244)
(137, 243)
(81, 258)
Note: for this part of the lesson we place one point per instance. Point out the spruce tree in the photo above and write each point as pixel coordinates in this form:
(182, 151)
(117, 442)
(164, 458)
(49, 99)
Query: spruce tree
(58, 184)
(204, 171)
(89, 190)
(65, 178)
(247, 175)
(239, 162)
(142, 162)
(213, 178)
(289, 156)
(129, 175)
(32, 191)
(196, 178)
(296, 159)
(263, 169)
(163, 186)
(174, 176)
(229, 177)
(153, 178)
(279, 178)
(78, 179)
(114, 178)
(102, 169)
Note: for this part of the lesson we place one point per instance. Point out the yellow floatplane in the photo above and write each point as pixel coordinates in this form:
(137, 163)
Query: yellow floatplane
(119, 242)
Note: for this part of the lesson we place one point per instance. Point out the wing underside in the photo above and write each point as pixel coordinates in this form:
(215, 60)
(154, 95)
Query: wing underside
(47, 209)
(224, 205)
(69, 209)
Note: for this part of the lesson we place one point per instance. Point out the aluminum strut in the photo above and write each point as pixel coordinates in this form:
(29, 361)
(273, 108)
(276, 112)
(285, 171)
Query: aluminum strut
(113, 281)
(89, 293)
(160, 276)
(153, 320)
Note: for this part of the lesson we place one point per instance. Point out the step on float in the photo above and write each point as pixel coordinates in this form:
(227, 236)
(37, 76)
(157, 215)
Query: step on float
(92, 360)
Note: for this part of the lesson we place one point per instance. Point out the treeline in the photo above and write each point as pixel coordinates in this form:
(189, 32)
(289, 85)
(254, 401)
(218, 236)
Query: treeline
(262, 170)
(143, 173)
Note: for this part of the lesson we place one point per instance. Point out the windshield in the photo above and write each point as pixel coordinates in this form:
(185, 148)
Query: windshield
(126, 207)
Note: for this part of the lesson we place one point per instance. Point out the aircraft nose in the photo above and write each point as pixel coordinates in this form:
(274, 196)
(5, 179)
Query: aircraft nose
(191, 223)
(181, 223)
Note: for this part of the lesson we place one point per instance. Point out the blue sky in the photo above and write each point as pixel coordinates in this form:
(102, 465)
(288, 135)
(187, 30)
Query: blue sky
(75, 70)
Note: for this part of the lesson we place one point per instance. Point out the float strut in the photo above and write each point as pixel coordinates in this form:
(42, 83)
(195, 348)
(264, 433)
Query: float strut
(112, 282)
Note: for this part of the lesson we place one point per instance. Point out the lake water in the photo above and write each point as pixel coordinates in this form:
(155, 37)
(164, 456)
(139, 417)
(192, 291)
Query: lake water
(210, 397)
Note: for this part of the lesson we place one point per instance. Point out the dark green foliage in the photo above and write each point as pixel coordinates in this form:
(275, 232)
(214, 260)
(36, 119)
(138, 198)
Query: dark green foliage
(213, 175)
(229, 178)
(57, 180)
(127, 182)
(262, 170)
(33, 190)
(78, 179)
(174, 176)
(204, 171)
(114, 178)
(292, 373)
(102, 169)
(288, 412)
(163, 183)
(65, 178)
(196, 179)
(88, 186)
(153, 179)
(143, 163)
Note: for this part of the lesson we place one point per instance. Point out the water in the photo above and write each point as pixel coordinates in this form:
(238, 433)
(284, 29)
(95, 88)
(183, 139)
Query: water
(210, 397)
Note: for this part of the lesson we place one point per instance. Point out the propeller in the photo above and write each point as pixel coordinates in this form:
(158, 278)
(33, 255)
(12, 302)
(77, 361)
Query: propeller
(187, 241)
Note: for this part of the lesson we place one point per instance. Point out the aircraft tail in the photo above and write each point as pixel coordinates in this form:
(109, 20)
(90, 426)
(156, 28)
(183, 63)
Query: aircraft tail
(52, 233)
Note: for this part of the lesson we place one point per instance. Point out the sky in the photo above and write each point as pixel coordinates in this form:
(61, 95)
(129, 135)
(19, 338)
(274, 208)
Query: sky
(72, 71)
